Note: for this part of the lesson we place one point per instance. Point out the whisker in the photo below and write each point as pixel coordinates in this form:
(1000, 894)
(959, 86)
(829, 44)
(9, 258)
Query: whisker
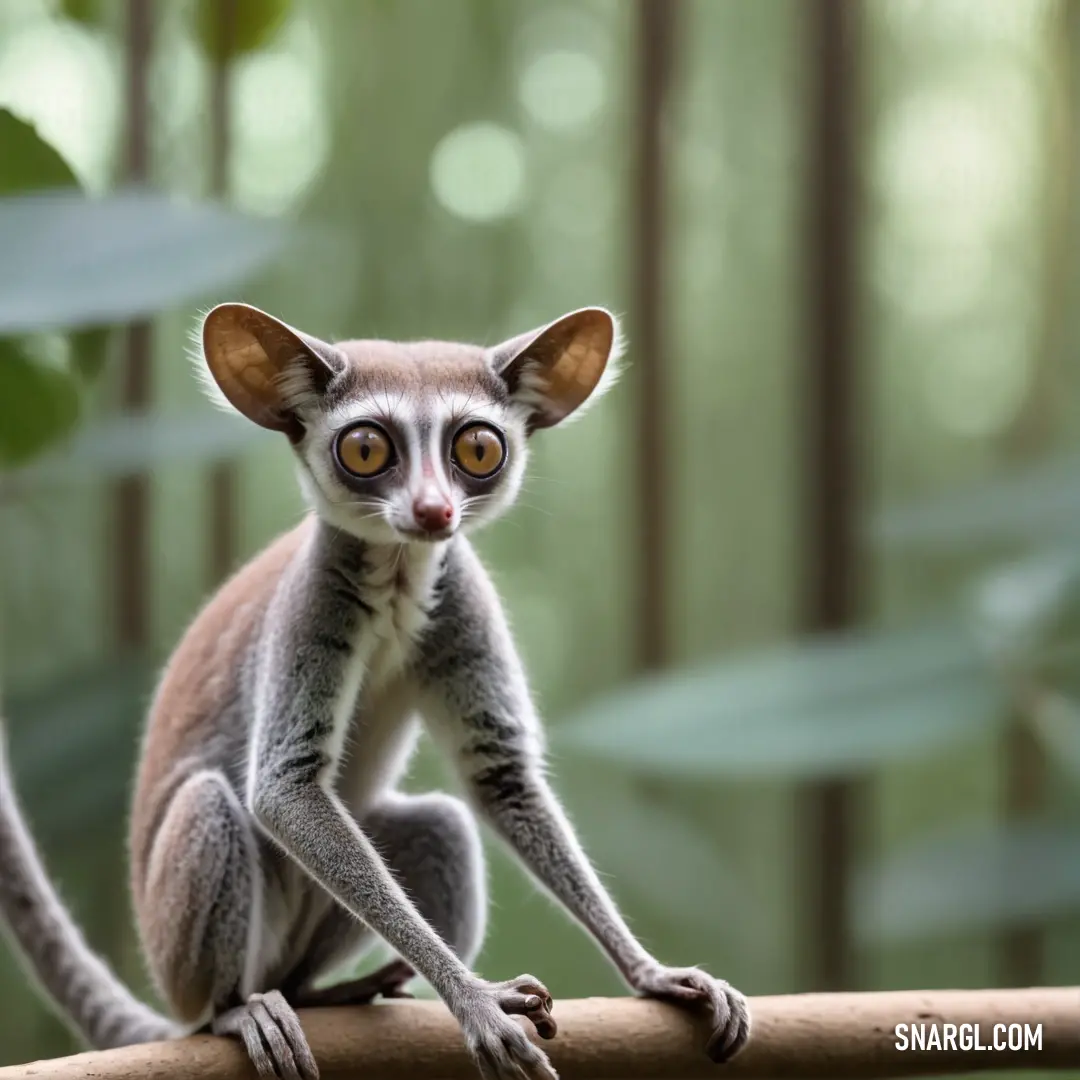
(536, 508)
(531, 479)
(370, 500)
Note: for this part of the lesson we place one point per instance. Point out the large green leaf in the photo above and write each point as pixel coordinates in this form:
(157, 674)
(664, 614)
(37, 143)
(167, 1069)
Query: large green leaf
(39, 403)
(970, 878)
(131, 444)
(27, 161)
(72, 261)
(831, 707)
(1033, 503)
(255, 22)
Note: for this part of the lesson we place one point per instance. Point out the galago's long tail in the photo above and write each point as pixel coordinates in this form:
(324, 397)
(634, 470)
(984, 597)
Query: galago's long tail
(81, 987)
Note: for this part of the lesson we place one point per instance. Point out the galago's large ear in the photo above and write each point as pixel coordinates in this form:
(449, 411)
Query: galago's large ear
(263, 368)
(553, 371)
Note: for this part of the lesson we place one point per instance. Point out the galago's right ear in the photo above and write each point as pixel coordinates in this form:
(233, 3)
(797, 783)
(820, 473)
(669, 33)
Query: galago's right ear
(553, 371)
(263, 368)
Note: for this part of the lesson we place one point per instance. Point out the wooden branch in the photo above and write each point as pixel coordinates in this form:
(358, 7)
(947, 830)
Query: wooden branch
(803, 1035)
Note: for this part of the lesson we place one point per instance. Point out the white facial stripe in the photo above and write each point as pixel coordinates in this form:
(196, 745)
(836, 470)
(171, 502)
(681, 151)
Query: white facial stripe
(435, 457)
(415, 451)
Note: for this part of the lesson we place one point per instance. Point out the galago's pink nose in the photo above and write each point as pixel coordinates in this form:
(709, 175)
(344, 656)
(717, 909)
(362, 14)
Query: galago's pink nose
(432, 514)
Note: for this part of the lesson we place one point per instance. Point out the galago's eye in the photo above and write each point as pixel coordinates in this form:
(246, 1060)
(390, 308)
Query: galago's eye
(364, 450)
(479, 450)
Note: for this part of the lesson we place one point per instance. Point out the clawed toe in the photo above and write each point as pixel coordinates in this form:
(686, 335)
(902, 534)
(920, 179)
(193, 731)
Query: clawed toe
(272, 1036)
(733, 1025)
(502, 1051)
(529, 997)
(697, 989)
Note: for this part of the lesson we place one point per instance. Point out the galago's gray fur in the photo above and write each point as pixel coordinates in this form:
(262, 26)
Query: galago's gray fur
(269, 844)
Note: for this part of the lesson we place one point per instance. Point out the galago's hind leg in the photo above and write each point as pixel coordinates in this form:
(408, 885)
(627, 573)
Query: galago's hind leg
(205, 882)
(432, 845)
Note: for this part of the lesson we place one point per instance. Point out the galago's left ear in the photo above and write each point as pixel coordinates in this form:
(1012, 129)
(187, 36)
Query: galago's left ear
(263, 368)
(553, 371)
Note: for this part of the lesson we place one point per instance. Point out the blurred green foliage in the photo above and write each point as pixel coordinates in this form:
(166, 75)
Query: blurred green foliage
(29, 161)
(39, 401)
(83, 11)
(472, 161)
(817, 710)
(254, 23)
(76, 264)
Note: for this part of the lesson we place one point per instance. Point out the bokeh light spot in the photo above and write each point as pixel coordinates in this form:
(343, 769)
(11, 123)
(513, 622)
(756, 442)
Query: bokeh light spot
(951, 168)
(281, 130)
(562, 89)
(478, 172)
(976, 385)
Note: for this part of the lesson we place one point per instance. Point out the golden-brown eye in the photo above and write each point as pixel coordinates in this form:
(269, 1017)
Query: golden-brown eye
(364, 450)
(478, 450)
